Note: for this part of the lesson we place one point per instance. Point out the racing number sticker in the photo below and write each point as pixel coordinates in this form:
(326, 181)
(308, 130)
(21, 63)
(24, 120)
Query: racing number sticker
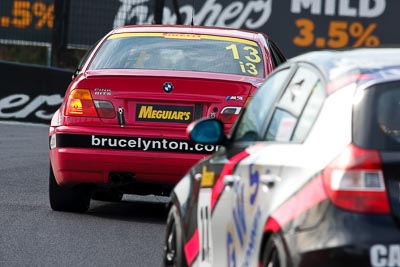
(254, 57)
(251, 58)
(204, 223)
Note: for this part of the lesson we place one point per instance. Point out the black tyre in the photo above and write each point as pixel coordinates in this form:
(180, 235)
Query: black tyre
(75, 199)
(107, 195)
(173, 243)
(273, 254)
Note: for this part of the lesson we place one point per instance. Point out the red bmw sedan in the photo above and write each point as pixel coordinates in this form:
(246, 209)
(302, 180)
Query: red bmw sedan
(121, 127)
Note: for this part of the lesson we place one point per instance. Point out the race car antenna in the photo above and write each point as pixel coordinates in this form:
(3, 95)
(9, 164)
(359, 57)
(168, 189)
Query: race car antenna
(192, 13)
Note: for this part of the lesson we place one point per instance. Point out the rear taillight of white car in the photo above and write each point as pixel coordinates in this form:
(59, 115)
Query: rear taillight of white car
(354, 181)
(80, 103)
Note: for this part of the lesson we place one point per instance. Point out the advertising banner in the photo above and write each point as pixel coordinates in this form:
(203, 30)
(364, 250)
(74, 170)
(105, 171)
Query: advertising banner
(31, 93)
(27, 22)
(297, 26)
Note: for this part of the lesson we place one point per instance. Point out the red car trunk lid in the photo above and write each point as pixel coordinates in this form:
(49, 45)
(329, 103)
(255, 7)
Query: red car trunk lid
(167, 98)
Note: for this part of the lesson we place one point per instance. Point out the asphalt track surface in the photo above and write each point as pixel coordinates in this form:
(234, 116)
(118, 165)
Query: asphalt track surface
(129, 233)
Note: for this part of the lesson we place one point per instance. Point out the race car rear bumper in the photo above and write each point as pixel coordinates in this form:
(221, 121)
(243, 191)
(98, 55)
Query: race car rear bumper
(79, 158)
(72, 165)
(347, 239)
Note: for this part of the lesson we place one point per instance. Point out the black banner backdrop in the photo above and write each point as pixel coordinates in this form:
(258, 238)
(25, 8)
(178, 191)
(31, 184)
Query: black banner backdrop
(296, 25)
(33, 93)
(26, 22)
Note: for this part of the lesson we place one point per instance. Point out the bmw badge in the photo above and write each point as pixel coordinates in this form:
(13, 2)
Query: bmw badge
(168, 87)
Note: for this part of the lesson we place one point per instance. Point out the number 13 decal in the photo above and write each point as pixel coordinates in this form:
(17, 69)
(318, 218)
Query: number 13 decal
(253, 57)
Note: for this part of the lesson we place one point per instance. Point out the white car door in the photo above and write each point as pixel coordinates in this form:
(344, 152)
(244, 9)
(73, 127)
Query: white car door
(257, 176)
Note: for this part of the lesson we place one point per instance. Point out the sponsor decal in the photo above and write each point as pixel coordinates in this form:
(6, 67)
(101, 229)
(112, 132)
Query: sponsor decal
(208, 178)
(102, 91)
(132, 143)
(162, 113)
(385, 255)
(231, 257)
(191, 37)
(208, 197)
(204, 227)
(238, 213)
(242, 233)
(251, 244)
(186, 36)
(228, 170)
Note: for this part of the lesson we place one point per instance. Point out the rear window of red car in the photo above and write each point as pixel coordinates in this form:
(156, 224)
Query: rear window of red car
(183, 52)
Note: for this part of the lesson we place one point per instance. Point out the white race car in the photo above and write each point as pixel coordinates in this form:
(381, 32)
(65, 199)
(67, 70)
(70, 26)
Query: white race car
(309, 176)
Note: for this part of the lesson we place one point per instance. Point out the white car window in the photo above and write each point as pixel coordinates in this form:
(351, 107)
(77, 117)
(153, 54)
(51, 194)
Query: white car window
(298, 91)
(252, 122)
(310, 112)
(296, 110)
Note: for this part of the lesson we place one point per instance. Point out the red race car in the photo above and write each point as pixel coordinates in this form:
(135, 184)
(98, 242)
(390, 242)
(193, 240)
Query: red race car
(121, 127)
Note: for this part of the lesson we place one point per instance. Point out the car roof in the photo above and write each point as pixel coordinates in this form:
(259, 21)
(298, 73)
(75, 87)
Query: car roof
(230, 32)
(383, 63)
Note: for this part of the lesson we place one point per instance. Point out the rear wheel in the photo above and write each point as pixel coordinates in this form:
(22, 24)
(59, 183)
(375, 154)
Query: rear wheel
(173, 244)
(75, 199)
(273, 254)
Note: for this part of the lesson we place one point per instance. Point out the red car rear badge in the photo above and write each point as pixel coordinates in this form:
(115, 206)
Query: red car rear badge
(168, 87)
(102, 91)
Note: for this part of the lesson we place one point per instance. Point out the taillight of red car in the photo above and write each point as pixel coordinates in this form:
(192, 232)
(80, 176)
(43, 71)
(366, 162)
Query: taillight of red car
(80, 103)
(229, 114)
(354, 181)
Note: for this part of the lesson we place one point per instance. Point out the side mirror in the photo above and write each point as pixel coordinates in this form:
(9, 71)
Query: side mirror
(207, 132)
